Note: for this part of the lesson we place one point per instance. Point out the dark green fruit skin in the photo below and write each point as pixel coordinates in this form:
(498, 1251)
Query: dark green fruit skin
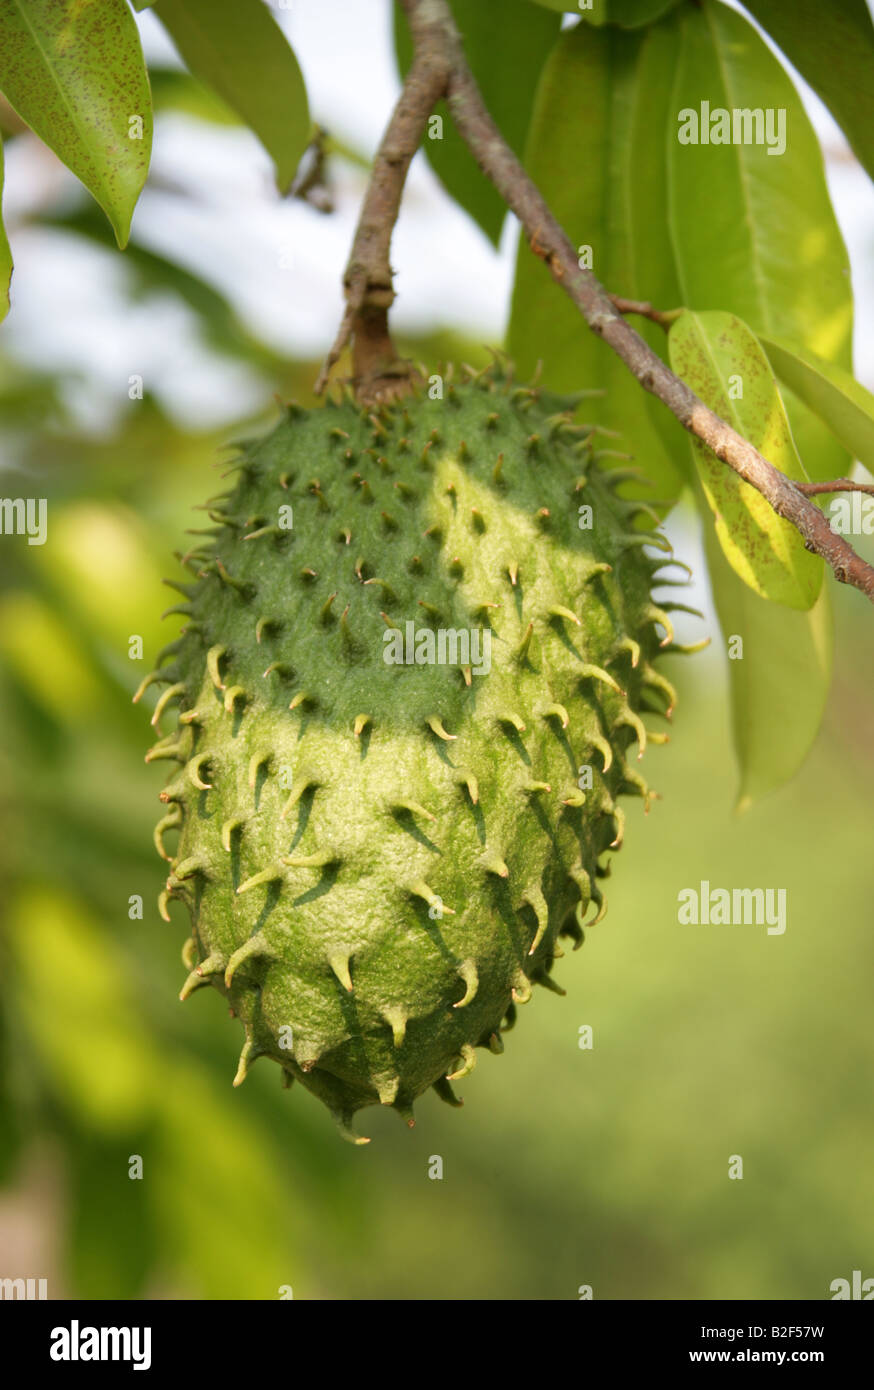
(325, 801)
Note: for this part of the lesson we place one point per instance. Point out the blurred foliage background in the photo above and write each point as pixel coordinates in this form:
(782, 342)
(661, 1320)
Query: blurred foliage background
(605, 1167)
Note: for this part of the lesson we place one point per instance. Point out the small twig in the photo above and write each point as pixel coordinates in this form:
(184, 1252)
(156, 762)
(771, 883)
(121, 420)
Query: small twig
(664, 318)
(378, 371)
(839, 485)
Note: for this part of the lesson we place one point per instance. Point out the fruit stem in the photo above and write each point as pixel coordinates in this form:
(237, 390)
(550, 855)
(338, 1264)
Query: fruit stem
(379, 374)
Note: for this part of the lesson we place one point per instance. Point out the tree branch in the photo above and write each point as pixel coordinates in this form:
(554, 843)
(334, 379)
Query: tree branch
(440, 68)
(379, 373)
(838, 485)
(664, 318)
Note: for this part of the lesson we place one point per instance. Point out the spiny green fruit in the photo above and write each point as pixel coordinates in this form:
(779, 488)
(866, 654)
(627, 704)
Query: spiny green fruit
(380, 849)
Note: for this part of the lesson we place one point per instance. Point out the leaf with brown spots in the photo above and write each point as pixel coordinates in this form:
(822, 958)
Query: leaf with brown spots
(723, 362)
(74, 72)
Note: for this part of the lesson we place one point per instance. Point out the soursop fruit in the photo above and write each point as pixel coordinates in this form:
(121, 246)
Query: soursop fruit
(417, 649)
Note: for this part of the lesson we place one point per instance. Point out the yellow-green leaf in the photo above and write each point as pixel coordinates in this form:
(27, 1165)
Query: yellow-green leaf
(237, 48)
(74, 71)
(721, 359)
(779, 676)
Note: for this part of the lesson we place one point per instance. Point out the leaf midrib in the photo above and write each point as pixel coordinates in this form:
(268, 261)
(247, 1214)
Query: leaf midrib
(81, 130)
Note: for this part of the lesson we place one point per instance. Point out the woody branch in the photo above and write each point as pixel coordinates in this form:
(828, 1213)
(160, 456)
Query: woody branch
(440, 70)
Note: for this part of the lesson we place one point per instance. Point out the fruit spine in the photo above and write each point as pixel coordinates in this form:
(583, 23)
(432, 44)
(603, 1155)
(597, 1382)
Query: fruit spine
(380, 850)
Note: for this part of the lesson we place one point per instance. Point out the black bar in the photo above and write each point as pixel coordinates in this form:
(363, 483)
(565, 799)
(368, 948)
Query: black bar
(230, 1338)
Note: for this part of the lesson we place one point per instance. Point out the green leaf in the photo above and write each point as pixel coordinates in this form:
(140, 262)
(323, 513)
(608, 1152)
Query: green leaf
(629, 14)
(832, 46)
(506, 53)
(5, 253)
(174, 89)
(103, 1199)
(237, 47)
(815, 444)
(720, 357)
(75, 74)
(754, 232)
(836, 397)
(780, 682)
(596, 151)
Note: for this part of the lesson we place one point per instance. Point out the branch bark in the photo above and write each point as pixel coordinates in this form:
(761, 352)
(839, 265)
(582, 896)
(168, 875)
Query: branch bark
(378, 372)
(440, 69)
(838, 485)
(645, 310)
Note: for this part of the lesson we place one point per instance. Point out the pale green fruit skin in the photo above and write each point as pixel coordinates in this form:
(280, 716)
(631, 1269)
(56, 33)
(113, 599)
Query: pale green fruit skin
(426, 858)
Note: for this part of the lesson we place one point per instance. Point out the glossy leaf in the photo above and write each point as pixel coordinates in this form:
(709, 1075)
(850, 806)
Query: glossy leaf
(597, 153)
(722, 361)
(836, 397)
(779, 679)
(506, 53)
(75, 74)
(5, 253)
(174, 89)
(652, 270)
(754, 232)
(819, 450)
(832, 46)
(237, 47)
(629, 14)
